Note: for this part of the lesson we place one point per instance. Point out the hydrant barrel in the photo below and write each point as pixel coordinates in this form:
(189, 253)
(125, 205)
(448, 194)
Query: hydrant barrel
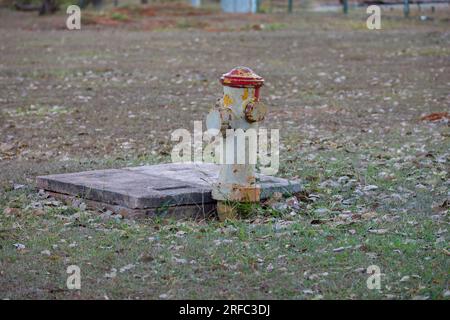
(239, 110)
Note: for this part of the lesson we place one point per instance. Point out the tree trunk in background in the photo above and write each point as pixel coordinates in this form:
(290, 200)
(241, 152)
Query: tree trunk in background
(144, 1)
(48, 7)
(24, 6)
(97, 3)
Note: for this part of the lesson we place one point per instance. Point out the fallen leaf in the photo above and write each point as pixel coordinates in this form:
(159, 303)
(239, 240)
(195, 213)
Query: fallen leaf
(378, 231)
(38, 212)
(436, 116)
(318, 221)
(19, 246)
(126, 268)
(370, 187)
(404, 279)
(179, 261)
(341, 249)
(369, 215)
(6, 147)
(11, 212)
(180, 234)
(111, 274)
(147, 258)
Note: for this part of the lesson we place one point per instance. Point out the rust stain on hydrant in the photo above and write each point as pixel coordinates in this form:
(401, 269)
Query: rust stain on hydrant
(239, 108)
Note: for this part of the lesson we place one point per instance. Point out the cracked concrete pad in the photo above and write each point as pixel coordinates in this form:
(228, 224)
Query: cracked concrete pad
(155, 186)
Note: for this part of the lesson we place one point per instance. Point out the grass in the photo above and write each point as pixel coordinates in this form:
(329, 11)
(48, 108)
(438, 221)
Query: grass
(37, 111)
(338, 137)
(274, 264)
(265, 254)
(119, 16)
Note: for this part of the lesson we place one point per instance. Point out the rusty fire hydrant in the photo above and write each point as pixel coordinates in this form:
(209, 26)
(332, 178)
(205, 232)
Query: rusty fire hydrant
(239, 108)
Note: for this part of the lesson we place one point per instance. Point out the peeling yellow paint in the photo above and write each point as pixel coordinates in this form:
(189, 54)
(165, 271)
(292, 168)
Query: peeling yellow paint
(245, 94)
(227, 100)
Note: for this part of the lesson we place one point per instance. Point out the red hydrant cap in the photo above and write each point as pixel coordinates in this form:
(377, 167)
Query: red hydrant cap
(241, 77)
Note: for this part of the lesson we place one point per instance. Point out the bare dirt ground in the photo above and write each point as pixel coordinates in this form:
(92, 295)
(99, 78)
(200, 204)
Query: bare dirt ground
(348, 101)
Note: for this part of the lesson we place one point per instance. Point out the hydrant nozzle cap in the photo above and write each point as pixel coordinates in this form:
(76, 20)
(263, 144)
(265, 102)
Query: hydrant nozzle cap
(242, 77)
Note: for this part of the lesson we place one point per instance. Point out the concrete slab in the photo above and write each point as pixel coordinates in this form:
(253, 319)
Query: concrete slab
(147, 190)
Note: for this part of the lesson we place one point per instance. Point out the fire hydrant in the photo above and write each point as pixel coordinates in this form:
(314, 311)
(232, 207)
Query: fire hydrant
(239, 108)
